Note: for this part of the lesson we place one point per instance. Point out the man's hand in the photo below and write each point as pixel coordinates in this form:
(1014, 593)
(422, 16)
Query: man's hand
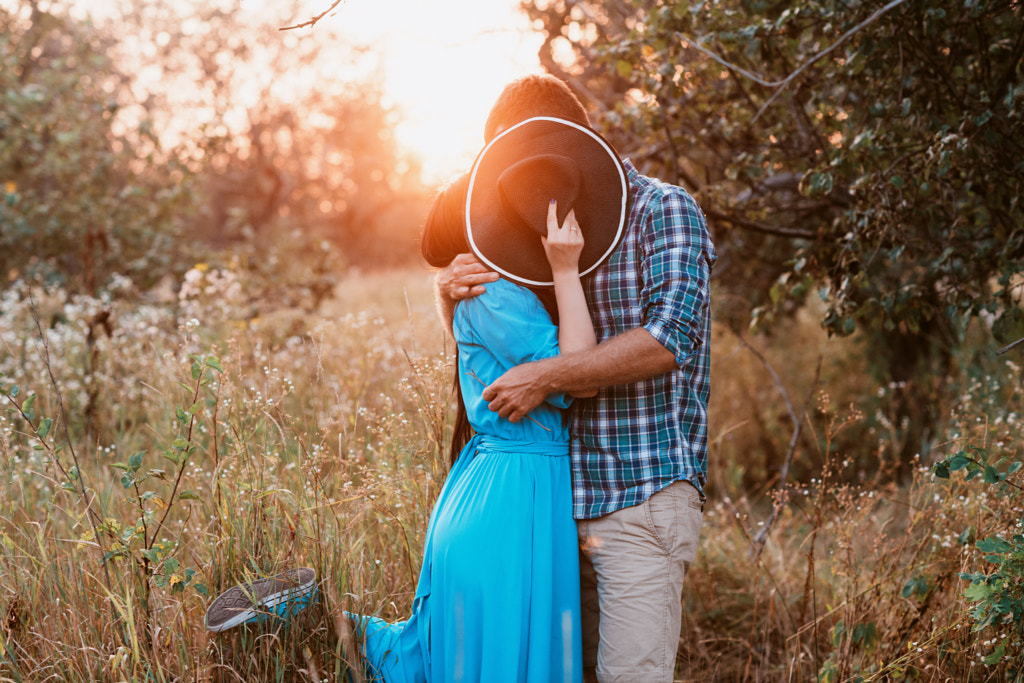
(630, 357)
(463, 278)
(518, 391)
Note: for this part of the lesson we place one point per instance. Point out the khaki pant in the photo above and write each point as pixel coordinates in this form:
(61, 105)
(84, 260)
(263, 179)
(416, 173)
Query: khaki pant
(632, 564)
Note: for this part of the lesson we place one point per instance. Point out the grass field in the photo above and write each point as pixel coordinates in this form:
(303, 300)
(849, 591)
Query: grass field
(156, 451)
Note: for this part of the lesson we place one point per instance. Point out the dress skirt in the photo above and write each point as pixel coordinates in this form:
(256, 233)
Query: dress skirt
(498, 598)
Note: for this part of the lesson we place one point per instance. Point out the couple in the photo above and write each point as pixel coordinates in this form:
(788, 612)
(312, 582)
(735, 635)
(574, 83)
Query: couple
(512, 589)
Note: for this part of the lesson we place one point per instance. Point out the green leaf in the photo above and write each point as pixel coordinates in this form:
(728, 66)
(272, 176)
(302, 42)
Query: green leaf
(189, 495)
(26, 406)
(866, 635)
(838, 633)
(127, 480)
(13, 393)
(992, 475)
(829, 672)
(993, 545)
(958, 462)
(996, 655)
(976, 592)
(135, 461)
(44, 427)
(1009, 327)
(816, 184)
(214, 362)
(180, 443)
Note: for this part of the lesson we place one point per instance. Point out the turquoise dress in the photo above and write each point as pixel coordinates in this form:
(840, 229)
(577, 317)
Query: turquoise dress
(498, 598)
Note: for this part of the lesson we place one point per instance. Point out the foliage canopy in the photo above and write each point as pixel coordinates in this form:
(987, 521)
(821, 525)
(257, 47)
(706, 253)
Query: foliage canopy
(888, 171)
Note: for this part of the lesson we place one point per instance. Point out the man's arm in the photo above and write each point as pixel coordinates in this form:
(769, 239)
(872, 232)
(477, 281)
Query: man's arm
(675, 272)
(630, 357)
(463, 278)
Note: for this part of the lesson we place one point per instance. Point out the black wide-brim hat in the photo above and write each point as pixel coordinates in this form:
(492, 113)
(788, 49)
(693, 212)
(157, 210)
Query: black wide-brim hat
(513, 181)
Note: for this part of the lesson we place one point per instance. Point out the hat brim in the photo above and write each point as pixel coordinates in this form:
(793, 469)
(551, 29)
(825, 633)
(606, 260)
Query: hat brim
(498, 237)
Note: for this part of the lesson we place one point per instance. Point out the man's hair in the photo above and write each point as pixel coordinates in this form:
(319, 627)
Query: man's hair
(535, 95)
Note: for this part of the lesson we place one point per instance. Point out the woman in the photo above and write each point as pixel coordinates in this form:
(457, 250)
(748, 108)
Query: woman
(498, 596)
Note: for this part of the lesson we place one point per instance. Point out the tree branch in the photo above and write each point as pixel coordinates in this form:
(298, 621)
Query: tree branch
(781, 85)
(758, 542)
(312, 22)
(1010, 346)
(746, 224)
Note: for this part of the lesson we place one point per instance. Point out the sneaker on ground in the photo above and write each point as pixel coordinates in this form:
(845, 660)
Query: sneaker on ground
(276, 597)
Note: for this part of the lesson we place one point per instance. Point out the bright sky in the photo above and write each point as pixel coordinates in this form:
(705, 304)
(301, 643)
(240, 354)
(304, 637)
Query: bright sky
(443, 64)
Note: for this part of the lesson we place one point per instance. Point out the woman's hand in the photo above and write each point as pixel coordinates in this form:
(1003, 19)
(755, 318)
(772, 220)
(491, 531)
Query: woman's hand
(563, 244)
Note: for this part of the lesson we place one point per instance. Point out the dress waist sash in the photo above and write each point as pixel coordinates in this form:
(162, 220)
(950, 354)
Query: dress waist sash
(496, 444)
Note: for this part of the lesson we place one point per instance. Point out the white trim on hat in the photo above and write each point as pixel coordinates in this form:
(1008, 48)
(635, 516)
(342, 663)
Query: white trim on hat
(622, 211)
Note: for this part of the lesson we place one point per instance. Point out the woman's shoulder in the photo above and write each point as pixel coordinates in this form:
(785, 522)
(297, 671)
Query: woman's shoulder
(501, 298)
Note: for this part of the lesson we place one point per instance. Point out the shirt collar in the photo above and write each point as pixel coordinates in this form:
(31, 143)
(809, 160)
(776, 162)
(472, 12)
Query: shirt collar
(631, 171)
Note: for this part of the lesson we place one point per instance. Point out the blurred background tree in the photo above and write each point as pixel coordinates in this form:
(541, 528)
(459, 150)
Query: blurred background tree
(870, 155)
(82, 200)
(173, 133)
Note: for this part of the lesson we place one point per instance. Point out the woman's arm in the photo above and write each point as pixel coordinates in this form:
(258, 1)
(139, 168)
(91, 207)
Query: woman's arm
(563, 246)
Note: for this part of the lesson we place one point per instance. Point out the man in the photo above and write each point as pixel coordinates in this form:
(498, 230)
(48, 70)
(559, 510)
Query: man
(640, 445)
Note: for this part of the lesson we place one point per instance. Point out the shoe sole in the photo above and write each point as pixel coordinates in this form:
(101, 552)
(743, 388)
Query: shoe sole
(267, 606)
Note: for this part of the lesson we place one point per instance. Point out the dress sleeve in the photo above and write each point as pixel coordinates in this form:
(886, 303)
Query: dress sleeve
(512, 324)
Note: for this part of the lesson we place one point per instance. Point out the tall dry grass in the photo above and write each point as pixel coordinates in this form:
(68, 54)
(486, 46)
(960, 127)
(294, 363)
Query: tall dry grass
(209, 441)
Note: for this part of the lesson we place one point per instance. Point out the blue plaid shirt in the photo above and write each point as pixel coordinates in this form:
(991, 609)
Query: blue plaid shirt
(632, 440)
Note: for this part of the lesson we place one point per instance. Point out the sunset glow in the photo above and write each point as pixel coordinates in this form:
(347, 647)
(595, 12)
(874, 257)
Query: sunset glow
(441, 64)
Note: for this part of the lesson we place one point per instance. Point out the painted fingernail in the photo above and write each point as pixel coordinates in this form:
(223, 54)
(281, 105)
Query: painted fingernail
(552, 201)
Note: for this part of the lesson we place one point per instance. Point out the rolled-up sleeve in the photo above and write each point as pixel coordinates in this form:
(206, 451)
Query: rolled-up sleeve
(677, 263)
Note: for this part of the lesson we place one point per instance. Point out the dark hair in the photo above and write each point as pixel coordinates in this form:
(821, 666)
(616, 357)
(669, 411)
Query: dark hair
(534, 95)
(444, 232)
(444, 238)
